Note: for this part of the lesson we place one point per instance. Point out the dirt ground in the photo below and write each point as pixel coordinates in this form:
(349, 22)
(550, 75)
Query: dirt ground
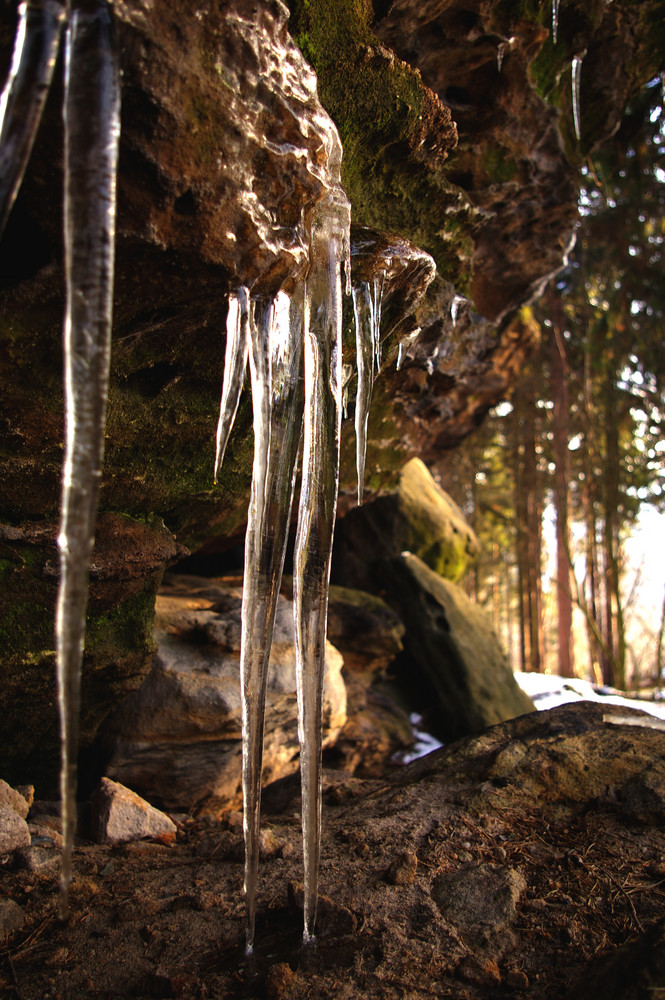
(514, 864)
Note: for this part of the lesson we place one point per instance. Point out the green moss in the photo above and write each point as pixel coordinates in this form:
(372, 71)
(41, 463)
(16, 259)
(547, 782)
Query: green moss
(378, 104)
(499, 165)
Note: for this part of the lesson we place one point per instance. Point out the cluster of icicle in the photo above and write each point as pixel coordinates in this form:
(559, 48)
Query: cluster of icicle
(92, 123)
(294, 347)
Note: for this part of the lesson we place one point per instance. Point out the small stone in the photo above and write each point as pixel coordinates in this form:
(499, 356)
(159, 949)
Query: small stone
(515, 979)
(12, 799)
(28, 793)
(279, 981)
(479, 972)
(403, 869)
(120, 815)
(14, 832)
(11, 917)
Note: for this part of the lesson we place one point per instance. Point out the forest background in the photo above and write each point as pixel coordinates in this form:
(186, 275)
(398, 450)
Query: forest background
(565, 481)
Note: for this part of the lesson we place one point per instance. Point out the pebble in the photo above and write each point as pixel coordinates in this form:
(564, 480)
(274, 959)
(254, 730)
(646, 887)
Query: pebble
(12, 917)
(119, 815)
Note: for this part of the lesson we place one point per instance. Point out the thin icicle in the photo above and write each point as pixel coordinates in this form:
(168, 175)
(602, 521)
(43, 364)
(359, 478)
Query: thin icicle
(35, 50)
(500, 52)
(92, 124)
(276, 359)
(316, 516)
(367, 301)
(377, 301)
(363, 308)
(576, 77)
(555, 20)
(400, 356)
(235, 364)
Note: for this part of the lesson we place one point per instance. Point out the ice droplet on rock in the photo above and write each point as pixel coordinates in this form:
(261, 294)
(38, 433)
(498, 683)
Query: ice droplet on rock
(24, 95)
(92, 126)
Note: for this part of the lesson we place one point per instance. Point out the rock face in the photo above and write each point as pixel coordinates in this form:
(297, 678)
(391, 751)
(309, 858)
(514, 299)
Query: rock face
(525, 862)
(177, 739)
(418, 517)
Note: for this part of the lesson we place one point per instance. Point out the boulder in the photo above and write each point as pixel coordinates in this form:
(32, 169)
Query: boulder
(417, 516)
(177, 739)
(119, 815)
(450, 642)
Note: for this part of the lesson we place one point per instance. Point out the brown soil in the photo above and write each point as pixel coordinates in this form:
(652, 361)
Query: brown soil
(508, 865)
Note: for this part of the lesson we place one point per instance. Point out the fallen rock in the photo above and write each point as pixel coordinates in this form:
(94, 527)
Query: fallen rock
(419, 517)
(119, 815)
(366, 630)
(177, 739)
(451, 642)
(14, 832)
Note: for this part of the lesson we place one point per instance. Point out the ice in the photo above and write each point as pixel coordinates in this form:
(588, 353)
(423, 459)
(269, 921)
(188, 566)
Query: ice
(400, 356)
(235, 364)
(276, 360)
(576, 73)
(92, 116)
(35, 50)
(457, 301)
(555, 20)
(367, 299)
(316, 514)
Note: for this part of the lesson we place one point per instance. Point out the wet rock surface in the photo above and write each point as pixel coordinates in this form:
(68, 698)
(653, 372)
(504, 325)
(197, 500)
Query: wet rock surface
(511, 863)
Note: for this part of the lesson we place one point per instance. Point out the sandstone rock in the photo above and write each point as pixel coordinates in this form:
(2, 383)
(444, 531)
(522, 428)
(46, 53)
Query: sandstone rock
(480, 900)
(12, 917)
(13, 799)
(14, 832)
(451, 642)
(177, 740)
(119, 815)
(365, 629)
(418, 517)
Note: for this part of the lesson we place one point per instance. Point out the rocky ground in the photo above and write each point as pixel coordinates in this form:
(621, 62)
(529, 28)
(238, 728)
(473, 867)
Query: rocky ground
(528, 861)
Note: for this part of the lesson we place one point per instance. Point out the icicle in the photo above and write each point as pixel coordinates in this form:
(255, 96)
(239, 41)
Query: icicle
(235, 364)
(276, 359)
(400, 356)
(35, 50)
(576, 76)
(316, 515)
(91, 113)
(377, 301)
(500, 52)
(458, 300)
(555, 20)
(367, 311)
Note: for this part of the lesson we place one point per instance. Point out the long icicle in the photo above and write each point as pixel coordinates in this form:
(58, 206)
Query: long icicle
(23, 98)
(276, 359)
(235, 364)
(367, 302)
(576, 79)
(92, 125)
(362, 308)
(316, 518)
